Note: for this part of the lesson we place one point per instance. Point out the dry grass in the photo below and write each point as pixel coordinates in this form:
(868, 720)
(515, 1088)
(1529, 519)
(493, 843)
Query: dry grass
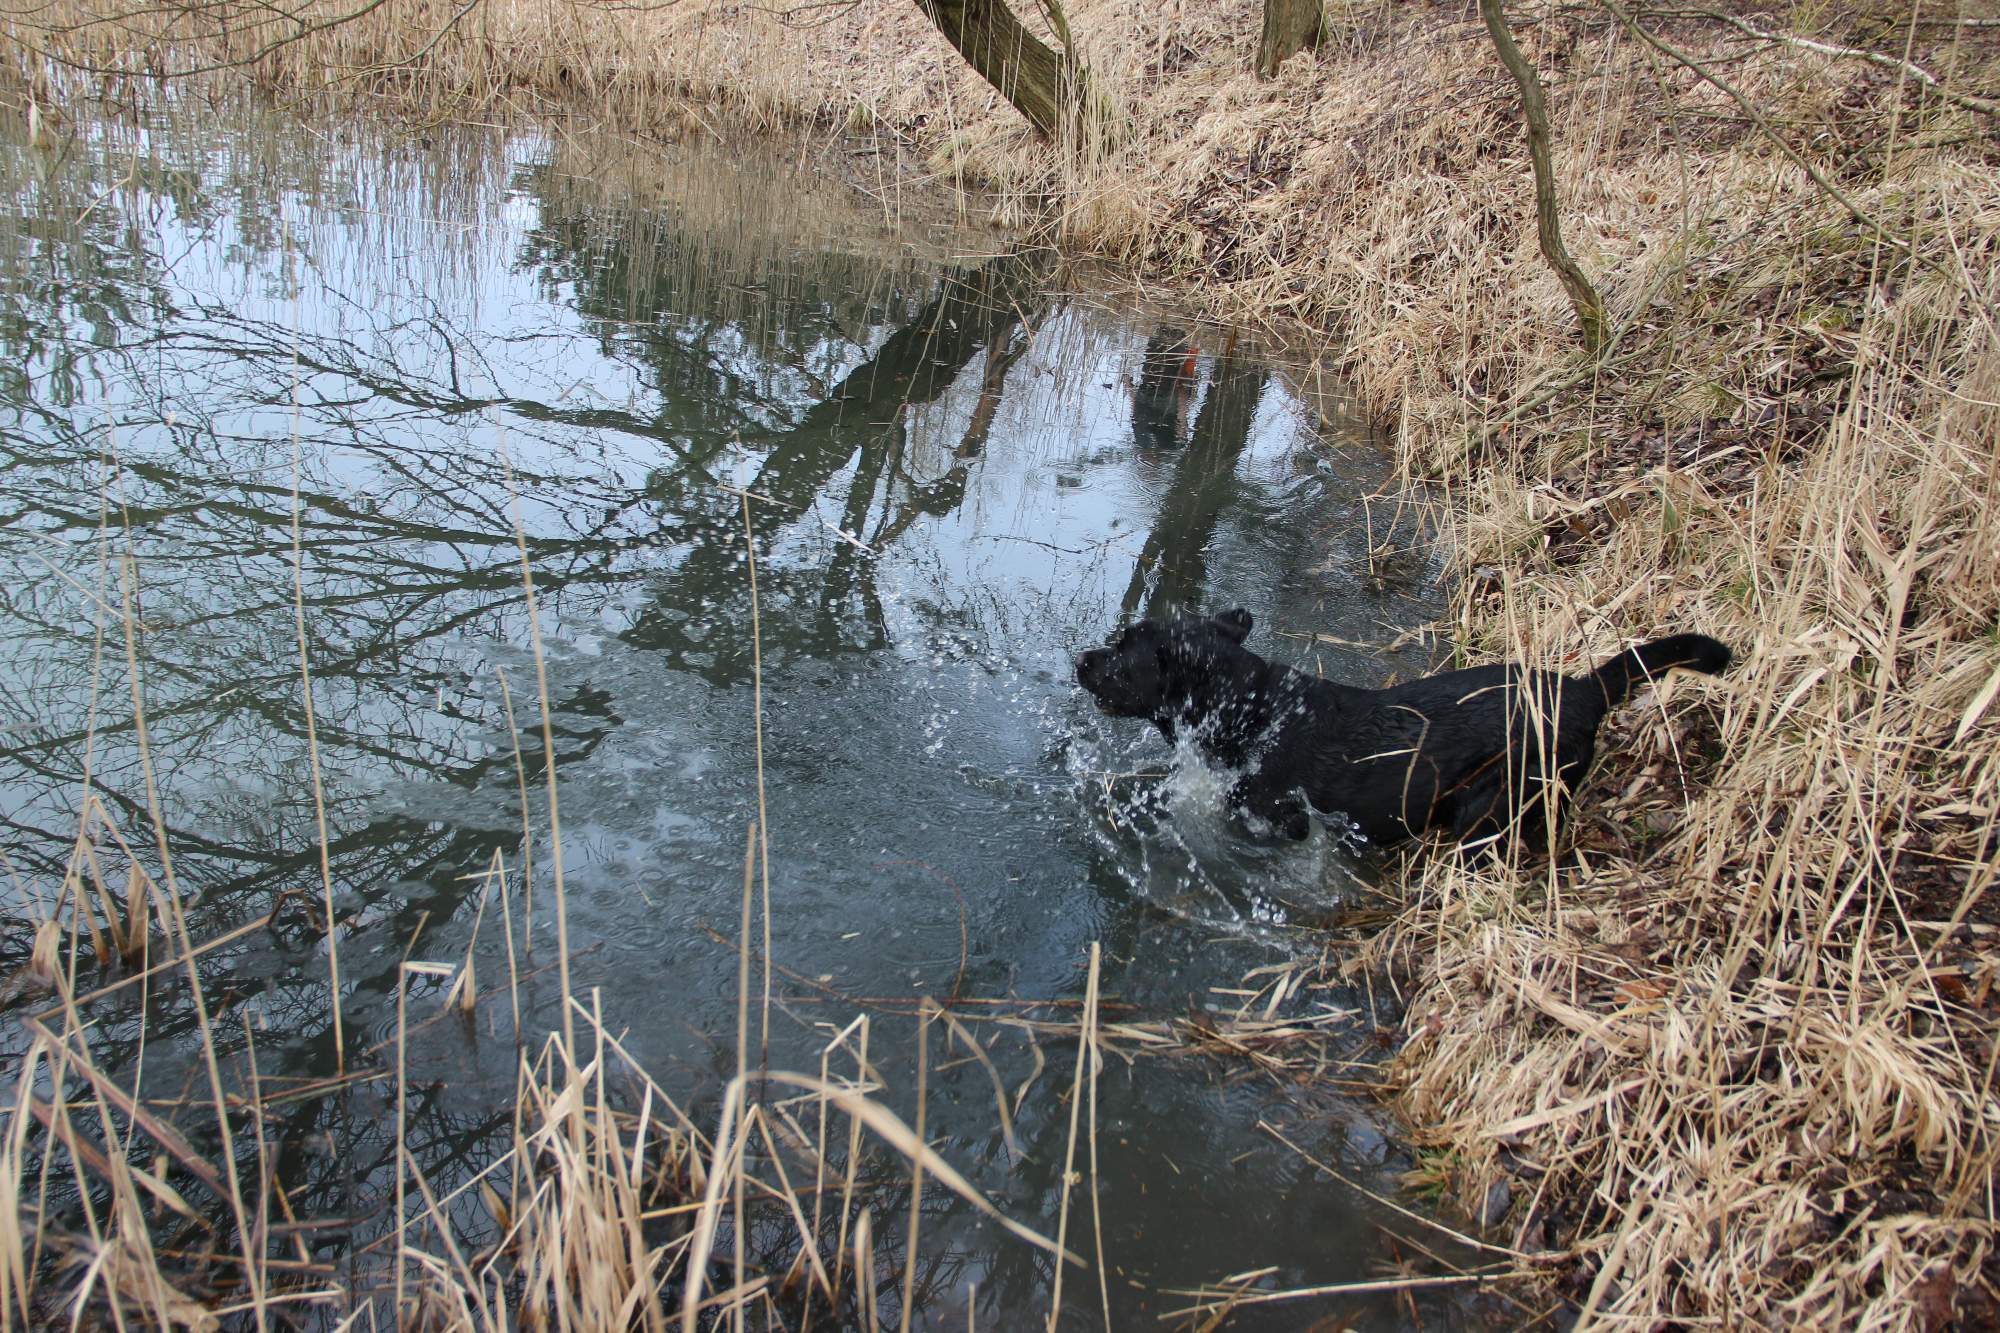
(1733, 1051)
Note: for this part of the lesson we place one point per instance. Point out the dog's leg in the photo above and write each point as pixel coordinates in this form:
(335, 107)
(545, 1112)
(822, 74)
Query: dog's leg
(1476, 810)
(1283, 811)
(1495, 812)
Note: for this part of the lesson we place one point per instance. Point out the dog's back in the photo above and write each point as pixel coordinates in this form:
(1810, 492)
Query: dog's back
(1475, 752)
(1400, 761)
(1478, 753)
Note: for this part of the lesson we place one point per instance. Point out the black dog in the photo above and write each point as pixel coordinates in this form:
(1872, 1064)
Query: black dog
(1471, 753)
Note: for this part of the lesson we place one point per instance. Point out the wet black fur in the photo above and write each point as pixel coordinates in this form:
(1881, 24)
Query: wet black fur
(1471, 754)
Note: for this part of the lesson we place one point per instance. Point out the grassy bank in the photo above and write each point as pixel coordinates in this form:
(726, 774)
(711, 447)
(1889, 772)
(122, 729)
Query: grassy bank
(1731, 1055)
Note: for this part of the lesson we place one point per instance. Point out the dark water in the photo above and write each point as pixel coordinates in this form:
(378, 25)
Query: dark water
(967, 465)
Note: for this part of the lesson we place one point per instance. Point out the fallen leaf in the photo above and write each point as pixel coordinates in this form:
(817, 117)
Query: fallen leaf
(1934, 1298)
(1641, 991)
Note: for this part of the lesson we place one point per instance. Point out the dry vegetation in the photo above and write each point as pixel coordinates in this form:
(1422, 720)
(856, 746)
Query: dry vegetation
(607, 1206)
(594, 1215)
(1733, 1053)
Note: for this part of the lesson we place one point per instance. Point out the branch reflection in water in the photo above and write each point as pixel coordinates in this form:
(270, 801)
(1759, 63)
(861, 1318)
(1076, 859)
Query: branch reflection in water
(962, 470)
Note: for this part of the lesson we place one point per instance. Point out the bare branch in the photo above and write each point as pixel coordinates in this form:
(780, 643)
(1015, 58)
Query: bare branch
(1985, 106)
(1763, 124)
(1534, 109)
(278, 16)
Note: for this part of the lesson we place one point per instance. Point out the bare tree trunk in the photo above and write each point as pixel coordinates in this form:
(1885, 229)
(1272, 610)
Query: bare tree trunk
(1290, 26)
(1042, 84)
(1582, 295)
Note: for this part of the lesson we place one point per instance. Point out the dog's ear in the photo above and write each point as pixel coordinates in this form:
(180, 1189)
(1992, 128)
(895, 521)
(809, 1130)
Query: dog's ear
(1235, 625)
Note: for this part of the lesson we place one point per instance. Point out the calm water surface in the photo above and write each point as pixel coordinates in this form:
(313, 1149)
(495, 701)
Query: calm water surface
(965, 466)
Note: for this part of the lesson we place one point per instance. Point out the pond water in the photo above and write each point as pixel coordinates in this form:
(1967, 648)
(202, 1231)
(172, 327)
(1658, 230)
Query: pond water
(962, 465)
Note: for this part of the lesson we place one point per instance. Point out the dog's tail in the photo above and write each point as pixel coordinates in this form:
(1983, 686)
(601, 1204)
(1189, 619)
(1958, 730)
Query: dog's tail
(1695, 652)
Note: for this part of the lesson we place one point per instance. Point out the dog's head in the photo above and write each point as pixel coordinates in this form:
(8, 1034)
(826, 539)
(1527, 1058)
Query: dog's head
(1146, 669)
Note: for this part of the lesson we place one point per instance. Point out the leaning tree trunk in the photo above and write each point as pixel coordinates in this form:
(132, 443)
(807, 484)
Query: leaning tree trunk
(1290, 26)
(1589, 306)
(1041, 83)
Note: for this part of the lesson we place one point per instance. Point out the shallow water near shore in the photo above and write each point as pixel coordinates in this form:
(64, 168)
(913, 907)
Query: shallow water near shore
(956, 464)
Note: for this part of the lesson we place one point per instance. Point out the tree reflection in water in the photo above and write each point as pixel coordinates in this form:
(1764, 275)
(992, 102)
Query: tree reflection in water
(178, 318)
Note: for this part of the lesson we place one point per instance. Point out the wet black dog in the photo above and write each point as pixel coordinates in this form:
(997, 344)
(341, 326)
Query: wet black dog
(1474, 754)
